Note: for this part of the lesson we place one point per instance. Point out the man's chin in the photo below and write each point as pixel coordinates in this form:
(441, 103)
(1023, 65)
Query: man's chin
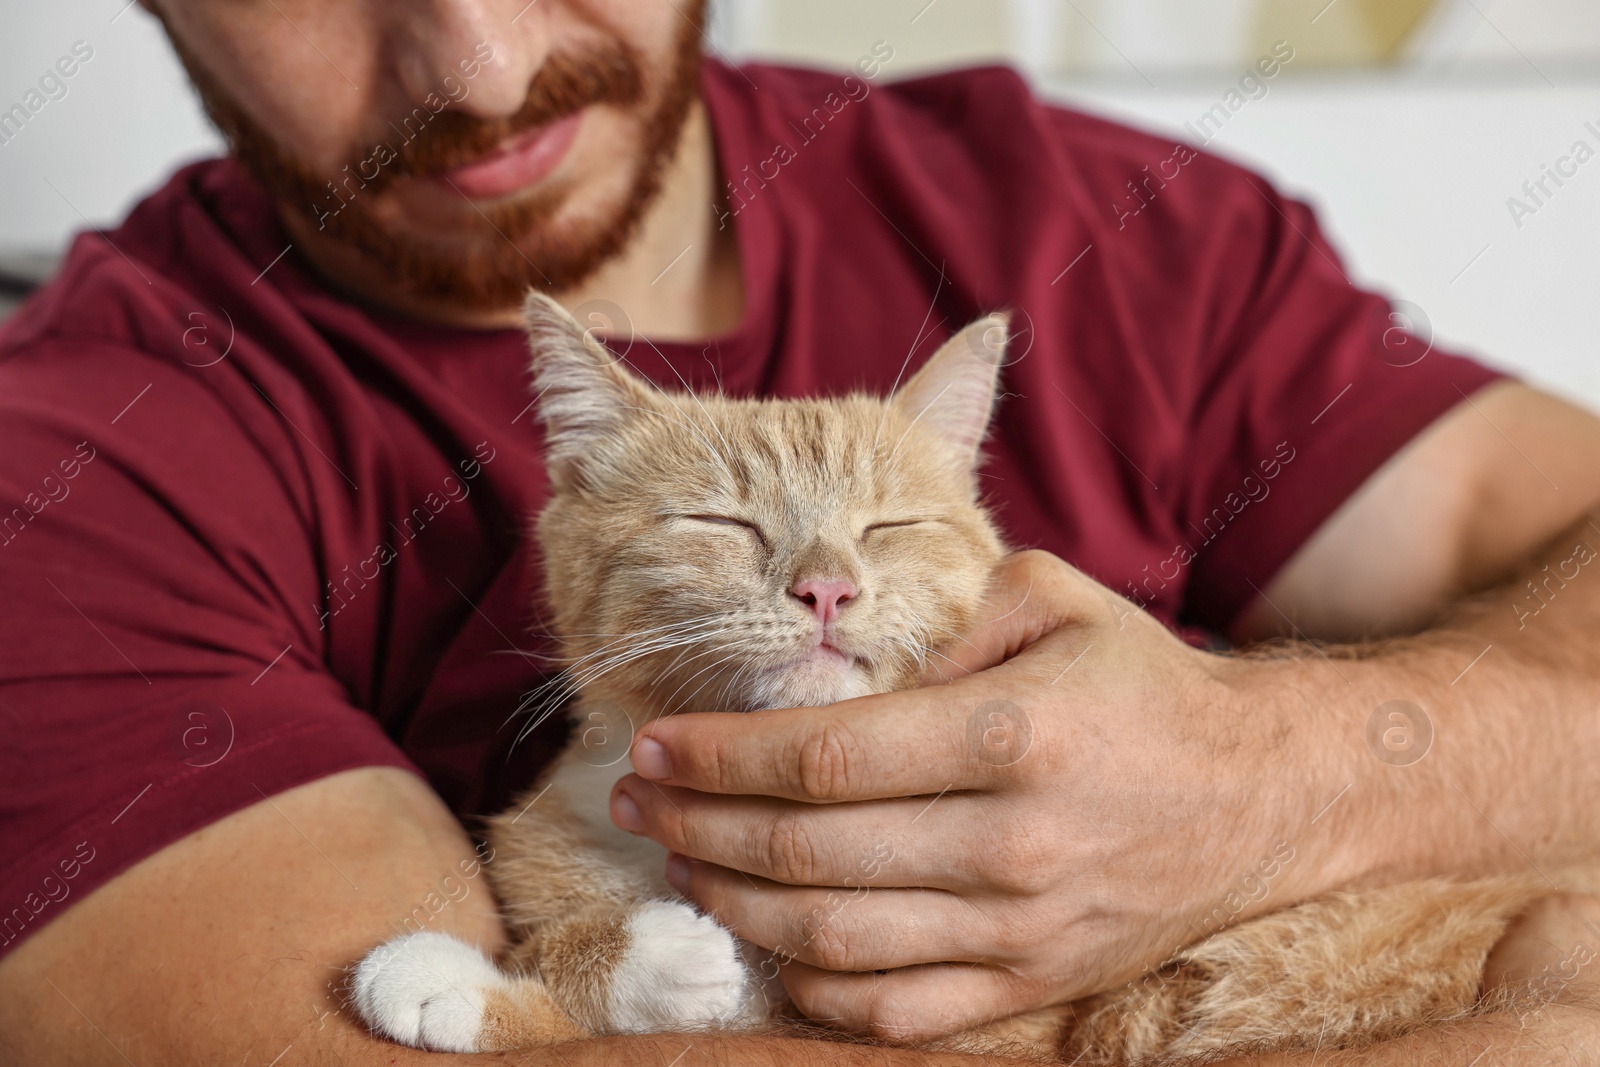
(428, 243)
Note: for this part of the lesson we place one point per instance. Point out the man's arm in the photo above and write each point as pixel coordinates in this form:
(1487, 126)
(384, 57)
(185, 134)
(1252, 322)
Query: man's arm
(1463, 507)
(230, 946)
(1482, 535)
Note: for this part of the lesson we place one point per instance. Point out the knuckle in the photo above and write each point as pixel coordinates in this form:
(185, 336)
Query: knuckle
(791, 854)
(828, 947)
(816, 999)
(1049, 585)
(883, 1010)
(829, 760)
(1030, 566)
(671, 823)
(710, 766)
(1033, 559)
(1017, 861)
(1019, 933)
(889, 1018)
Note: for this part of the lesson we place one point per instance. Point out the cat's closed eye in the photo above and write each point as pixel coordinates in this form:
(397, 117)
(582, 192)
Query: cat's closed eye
(892, 524)
(728, 520)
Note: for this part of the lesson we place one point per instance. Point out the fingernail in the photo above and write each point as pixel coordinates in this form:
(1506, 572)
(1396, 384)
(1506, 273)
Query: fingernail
(678, 873)
(650, 760)
(625, 813)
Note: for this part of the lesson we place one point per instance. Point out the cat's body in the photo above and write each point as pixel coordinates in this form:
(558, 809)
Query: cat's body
(707, 554)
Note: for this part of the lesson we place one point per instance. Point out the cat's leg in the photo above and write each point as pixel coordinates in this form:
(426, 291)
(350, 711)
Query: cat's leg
(434, 991)
(592, 914)
(598, 943)
(651, 966)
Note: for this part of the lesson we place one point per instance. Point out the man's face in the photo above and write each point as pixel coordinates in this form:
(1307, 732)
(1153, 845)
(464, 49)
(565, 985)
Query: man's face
(465, 148)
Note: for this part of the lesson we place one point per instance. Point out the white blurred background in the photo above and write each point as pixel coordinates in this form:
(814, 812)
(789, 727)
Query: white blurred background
(1409, 123)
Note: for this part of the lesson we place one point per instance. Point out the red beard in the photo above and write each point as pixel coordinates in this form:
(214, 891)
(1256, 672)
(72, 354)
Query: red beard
(499, 251)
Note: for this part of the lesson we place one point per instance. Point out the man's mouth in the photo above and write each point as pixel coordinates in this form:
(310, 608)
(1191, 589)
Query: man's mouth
(518, 163)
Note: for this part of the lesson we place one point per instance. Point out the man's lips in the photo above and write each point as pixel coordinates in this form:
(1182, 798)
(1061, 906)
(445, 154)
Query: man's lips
(517, 164)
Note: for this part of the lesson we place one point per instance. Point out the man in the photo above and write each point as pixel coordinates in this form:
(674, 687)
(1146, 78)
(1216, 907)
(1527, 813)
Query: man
(272, 460)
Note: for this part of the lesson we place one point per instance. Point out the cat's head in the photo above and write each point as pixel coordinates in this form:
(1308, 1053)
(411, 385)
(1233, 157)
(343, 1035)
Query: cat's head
(705, 553)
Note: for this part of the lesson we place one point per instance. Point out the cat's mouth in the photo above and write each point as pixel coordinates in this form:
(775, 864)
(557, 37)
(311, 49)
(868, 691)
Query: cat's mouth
(820, 674)
(827, 653)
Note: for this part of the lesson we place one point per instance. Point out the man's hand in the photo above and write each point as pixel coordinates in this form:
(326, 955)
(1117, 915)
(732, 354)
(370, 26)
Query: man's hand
(1017, 826)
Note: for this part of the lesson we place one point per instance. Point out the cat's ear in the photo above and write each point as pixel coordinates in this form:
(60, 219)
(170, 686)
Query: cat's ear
(585, 395)
(953, 394)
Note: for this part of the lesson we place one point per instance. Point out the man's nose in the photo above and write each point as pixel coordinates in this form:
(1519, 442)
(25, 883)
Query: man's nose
(824, 596)
(488, 59)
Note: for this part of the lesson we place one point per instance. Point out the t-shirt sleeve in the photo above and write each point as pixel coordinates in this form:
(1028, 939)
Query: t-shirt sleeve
(160, 663)
(1301, 387)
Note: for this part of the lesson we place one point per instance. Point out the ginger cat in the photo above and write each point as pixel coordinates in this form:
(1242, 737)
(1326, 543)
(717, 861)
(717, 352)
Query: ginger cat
(705, 553)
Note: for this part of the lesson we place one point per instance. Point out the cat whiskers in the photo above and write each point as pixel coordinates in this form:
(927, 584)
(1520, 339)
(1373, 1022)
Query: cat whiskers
(730, 688)
(544, 701)
(731, 655)
(922, 661)
(588, 673)
(651, 632)
(743, 626)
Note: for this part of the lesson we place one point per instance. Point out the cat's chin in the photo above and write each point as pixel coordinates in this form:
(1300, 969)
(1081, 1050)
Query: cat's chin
(819, 677)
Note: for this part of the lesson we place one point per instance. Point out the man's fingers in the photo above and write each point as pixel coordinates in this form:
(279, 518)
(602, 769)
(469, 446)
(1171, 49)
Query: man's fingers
(914, 1004)
(910, 743)
(841, 929)
(933, 842)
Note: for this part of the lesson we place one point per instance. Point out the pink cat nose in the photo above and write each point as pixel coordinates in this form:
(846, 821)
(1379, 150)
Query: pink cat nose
(824, 596)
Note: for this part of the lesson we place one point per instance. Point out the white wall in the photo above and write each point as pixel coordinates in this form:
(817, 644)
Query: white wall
(1412, 181)
(126, 120)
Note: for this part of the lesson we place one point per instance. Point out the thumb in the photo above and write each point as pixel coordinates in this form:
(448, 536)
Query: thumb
(1031, 594)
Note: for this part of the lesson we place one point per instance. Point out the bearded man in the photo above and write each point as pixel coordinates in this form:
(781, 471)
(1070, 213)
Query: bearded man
(269, 459)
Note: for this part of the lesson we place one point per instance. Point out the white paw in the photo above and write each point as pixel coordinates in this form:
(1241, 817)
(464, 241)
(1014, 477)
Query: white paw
(426, 990)
(680, 970)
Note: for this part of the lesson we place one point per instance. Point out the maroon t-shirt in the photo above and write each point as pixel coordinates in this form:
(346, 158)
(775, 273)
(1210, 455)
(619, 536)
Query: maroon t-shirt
(252, 535)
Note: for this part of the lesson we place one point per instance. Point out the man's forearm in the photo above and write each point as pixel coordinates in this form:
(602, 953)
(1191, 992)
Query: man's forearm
(1554, 1034)
(659, 1050)
(734, 1050)
(1466, 749)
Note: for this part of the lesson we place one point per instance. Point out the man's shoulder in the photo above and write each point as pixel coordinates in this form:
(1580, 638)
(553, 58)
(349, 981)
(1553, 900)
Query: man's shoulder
(151, 342)
(982, 126)
(134, 286)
